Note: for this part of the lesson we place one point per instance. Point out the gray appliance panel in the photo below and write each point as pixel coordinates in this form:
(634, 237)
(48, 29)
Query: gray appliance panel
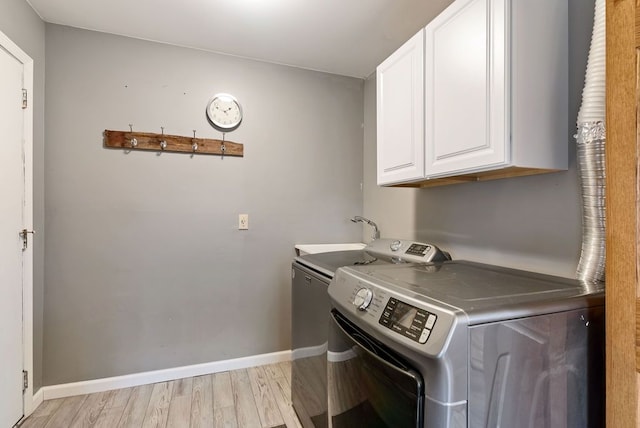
(536, 371)
(309, 327)
(378, 252)
(343, 289)
(483, 293)
(328, 263)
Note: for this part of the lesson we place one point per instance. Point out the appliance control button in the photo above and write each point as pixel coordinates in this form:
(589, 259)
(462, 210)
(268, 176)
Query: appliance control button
(363, 298)
(419, 324)
(431, 320)
(395, 245)
(424, 336)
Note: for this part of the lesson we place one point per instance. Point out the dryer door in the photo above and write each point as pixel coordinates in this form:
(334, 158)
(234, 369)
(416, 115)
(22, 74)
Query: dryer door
(369, 385)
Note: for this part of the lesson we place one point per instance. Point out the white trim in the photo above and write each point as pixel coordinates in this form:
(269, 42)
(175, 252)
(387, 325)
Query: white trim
(29, 401)
(126, 381)
(38, 398)
(339, 357)
(309, 351)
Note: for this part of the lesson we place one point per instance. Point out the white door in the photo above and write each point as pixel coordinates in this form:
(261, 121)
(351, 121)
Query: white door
(12, 201)
(465, 84)
(400, 100)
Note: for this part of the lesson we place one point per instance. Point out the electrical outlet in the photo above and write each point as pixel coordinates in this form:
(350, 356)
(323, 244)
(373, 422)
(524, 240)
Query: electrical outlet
(243, 221)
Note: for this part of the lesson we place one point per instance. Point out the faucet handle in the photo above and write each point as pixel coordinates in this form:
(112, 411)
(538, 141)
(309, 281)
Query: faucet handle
(376, 232)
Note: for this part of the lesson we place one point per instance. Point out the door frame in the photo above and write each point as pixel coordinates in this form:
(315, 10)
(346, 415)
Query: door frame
(29, 403)
(623, 215)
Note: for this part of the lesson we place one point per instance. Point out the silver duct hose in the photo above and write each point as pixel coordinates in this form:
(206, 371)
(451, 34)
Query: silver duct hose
(590, 154)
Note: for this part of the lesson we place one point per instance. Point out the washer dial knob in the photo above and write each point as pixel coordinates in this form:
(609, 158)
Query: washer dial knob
(363, 298)
(395, 245)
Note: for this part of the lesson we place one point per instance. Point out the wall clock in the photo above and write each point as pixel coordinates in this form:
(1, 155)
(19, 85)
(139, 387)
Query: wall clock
(224, 112)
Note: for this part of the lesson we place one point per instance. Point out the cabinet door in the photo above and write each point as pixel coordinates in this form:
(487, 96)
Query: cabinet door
(466, 81)
(400, 113)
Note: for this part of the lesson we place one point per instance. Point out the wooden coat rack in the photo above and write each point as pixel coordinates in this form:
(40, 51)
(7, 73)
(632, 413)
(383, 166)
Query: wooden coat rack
(129, 140)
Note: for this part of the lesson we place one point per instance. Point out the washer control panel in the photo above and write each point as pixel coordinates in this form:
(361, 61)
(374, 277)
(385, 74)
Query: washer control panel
(420, 250)
(407, 320)
(363, 298)
(406, 251)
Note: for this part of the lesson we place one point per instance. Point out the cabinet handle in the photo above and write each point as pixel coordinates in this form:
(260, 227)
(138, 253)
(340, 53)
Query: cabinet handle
(307, 278)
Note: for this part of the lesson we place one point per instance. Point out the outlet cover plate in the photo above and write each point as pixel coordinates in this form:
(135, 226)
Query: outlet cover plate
(243, 221)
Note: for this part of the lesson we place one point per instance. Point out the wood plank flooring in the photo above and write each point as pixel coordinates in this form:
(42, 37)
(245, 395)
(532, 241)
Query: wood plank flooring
(258, 397)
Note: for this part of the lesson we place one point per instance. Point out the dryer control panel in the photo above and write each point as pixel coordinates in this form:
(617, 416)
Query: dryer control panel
(407, 320)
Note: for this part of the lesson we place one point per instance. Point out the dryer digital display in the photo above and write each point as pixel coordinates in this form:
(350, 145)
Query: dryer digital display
(407, 320)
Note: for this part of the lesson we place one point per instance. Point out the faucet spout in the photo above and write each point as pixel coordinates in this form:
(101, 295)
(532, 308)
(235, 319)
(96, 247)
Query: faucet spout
(376, 232)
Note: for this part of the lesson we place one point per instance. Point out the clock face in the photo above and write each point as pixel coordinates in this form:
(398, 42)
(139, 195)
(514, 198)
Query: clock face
(224, 112)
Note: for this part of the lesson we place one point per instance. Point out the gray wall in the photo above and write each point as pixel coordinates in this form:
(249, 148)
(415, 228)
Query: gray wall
(530, 222)
(25, 28)
(145, 266)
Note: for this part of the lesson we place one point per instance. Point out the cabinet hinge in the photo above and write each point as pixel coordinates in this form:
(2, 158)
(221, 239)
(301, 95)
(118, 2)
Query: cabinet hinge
(24, 99)
(25, 380)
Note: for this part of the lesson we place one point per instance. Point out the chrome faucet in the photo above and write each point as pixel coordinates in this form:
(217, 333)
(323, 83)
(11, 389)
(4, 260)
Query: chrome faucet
(376, 232)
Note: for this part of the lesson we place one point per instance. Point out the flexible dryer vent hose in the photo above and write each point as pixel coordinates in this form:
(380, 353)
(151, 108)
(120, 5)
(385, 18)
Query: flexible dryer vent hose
(590, 153)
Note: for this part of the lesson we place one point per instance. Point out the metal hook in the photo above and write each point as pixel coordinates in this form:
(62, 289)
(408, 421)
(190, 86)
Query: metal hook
(194, 144)
(133, 141)
(222, 146)
(163, 143)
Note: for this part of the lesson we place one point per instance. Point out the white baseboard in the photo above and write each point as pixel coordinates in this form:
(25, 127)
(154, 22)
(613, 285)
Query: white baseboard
(33, 403)
(339, 357)
(309, 351)
(126, 381)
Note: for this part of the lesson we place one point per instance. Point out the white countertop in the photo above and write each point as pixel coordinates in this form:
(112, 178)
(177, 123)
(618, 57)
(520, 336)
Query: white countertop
(302, 249)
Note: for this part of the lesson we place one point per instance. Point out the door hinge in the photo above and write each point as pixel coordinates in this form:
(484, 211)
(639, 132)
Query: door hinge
(25, 380)
(25, 242)
(24, 99)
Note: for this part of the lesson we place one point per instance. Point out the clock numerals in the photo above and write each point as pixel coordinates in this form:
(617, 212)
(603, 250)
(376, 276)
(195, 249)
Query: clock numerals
(224, 112)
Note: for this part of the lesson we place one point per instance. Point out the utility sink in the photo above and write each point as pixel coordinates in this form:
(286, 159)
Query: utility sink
(302, 249)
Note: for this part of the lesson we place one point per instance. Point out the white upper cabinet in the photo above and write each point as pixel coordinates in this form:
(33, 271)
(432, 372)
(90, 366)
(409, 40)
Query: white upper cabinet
(466, 125)
(400, 108)
(495, 94)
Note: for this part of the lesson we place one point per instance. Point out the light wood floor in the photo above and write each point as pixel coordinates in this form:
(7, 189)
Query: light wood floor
(255, 397)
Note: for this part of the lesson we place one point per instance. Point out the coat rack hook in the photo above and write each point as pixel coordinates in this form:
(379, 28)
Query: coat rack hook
(133, 141)
(163, 143)
(194, 144)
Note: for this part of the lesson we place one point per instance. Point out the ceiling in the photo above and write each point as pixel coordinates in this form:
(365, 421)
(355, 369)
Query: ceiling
(346, 37)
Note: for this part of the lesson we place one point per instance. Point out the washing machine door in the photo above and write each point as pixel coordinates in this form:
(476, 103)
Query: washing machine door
(369, 385)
